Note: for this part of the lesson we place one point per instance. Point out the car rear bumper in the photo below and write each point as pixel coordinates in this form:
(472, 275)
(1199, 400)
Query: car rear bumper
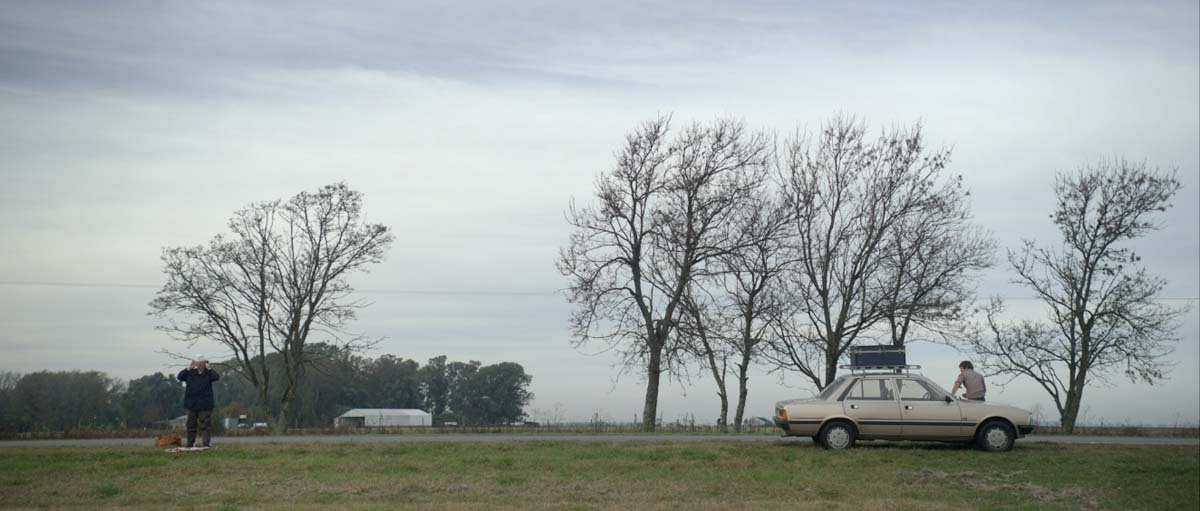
(1025, 430)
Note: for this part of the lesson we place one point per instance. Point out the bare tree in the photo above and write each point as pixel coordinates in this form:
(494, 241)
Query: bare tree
(933, 259)
(847, 194)
(278, 278)
(557, 414)
(701, 337)
(740, 296)
(660, 217)
(1103, 311)
(753, 281)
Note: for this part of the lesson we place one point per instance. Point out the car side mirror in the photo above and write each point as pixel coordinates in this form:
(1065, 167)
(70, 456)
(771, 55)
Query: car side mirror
(949, 399)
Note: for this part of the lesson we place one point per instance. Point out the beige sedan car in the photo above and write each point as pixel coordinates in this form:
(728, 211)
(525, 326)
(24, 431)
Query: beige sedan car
(890, 406)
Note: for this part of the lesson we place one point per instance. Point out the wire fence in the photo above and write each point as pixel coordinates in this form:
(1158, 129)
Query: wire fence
(753, 427)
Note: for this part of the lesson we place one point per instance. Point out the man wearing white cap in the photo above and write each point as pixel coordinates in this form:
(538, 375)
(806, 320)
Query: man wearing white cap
(198, 398)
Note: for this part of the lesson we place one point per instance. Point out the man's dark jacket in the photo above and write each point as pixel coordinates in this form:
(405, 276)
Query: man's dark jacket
(198, 395)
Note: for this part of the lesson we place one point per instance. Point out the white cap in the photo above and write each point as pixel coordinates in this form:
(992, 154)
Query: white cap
(200, 358)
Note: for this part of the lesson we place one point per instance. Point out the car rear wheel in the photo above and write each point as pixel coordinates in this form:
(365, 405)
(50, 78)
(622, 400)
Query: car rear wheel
(995, 436)
(837, 436)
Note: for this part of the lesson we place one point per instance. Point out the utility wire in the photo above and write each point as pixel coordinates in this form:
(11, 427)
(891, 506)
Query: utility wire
(384, 291)
(397, 291)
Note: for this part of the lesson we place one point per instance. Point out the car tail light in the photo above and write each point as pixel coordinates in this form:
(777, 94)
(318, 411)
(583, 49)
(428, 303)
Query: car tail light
(782, 413)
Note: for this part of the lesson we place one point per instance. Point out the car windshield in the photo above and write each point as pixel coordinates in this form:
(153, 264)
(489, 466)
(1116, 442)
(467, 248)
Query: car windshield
(829, 389)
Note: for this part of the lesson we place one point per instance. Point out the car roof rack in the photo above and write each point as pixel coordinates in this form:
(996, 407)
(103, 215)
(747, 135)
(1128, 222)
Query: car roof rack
(886, 369)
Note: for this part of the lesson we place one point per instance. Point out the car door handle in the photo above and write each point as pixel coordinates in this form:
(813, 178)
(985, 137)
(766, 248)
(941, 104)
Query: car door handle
(908, 407)
(854, 407)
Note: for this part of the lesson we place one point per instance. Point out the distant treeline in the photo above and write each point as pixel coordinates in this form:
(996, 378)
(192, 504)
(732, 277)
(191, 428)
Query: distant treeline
(335, 381)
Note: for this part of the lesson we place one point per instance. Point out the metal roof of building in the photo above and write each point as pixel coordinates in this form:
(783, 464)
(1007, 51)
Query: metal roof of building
(361, 412)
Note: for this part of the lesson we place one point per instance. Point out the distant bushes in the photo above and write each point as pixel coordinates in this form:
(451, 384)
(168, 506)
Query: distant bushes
(86, 403)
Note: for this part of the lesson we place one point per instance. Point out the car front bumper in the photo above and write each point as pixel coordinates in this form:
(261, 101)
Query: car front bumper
(1025, 430)
(781, 424)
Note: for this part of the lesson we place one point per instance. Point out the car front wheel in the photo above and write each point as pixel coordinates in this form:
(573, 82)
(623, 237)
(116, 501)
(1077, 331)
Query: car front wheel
(838, 436)
(995, 437)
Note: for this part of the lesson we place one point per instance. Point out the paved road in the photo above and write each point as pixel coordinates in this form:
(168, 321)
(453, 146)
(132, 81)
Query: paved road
(561, 438)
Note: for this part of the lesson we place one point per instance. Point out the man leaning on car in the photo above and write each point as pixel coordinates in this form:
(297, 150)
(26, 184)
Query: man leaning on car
(972, 382)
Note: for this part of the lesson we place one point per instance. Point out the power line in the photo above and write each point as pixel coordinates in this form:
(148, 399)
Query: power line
(384, 291)
(399, 291)
(39, 283)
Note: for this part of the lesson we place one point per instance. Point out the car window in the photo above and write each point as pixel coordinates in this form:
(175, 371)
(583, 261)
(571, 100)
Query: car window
(831, 388)
(916, 390)
(871, 390)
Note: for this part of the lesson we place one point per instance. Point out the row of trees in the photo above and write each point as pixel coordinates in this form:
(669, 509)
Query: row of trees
(74, 400)
(466, 392)
(713, 247)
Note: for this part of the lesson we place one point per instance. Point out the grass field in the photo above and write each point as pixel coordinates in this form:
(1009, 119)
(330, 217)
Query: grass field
(1181, 430)
(602, 475)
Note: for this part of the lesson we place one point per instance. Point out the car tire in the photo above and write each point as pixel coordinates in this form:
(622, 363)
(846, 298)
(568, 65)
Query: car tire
(995, 436)
(837, 436)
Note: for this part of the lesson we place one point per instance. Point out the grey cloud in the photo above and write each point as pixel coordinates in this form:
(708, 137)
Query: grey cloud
(188, 47)
(470, 126)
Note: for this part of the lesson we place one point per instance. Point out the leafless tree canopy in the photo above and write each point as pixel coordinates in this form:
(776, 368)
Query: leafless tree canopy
(931, 262)
(1102, 311)
(276, 279)
(661, 214)
(865, 211)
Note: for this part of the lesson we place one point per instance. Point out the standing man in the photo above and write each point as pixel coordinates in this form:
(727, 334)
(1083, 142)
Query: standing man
(198, 398)
(972, 382)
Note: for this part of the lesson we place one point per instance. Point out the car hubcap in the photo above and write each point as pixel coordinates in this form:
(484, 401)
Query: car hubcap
(997, 438)
(838, 438)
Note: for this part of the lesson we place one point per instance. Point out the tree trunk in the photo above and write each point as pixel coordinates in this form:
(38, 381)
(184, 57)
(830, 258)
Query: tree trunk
(281, 424)
(285, 410)
(723, 420)
(742, 400)
(831, 362)
(1070, 412)
(743, 391)
(264, 405)
(653, 371)
(722, 392)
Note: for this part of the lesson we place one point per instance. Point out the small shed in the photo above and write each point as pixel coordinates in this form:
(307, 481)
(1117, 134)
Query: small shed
(239, 422)
(382, 418)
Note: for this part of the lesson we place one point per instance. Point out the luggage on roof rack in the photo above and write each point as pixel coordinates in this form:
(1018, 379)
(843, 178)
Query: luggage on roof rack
(878, 357)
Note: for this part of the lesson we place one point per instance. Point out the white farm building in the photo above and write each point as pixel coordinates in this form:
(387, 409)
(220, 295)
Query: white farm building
(382, 418)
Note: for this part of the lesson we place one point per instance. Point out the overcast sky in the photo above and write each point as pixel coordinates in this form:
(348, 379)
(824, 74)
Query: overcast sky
(126, 127)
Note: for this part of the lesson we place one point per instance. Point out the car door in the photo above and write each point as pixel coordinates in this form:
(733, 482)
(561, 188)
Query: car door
(925, 411)
(872, 404)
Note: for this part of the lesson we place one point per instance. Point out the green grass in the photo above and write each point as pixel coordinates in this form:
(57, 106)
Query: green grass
(602, 475)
